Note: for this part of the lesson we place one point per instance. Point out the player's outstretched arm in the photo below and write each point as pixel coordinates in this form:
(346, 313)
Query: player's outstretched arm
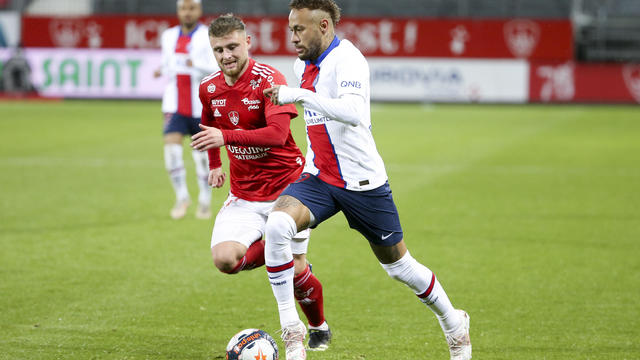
(208, 138)
(348, 109)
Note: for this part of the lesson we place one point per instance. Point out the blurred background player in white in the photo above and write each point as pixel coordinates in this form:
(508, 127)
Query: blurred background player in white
(186, 59)
(263, 160)
(343, 172)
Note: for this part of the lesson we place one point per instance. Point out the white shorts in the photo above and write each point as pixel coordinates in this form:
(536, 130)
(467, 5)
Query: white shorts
(244, 221)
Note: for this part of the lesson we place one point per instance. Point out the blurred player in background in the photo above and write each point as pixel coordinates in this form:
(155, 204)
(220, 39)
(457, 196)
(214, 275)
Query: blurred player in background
(186, 59)
(263, 159)
(343, 172)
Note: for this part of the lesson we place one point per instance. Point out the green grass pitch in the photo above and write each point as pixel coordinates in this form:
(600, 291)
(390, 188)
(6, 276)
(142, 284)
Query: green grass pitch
(529, 215)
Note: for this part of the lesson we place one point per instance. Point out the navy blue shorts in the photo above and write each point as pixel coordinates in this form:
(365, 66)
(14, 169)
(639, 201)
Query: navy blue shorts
(185, 125)
(372, 213)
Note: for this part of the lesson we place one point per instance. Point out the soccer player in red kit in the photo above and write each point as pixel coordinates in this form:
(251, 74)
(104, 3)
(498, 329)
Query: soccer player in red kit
(263, 160)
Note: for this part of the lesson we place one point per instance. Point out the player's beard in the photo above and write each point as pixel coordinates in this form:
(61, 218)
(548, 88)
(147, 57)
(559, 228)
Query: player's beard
(240, 63)
(190, 24)
(314, 50)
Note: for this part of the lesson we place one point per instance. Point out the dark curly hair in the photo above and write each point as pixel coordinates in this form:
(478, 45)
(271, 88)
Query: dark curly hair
(225, 24)
(329, 6)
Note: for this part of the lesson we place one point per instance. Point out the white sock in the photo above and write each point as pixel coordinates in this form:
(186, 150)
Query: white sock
(201, 160)
(425, 285)
(279, 231)
(324, 327)
(175, 167)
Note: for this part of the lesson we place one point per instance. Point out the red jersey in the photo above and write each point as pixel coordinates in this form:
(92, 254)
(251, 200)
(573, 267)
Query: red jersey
(263, 158)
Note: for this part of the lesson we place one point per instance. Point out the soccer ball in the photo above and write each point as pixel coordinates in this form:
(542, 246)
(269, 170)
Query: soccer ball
(252, 344)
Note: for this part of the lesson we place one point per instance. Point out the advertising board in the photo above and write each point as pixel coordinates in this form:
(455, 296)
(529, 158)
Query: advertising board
(584, 82)
(91, 73)
(419, 37)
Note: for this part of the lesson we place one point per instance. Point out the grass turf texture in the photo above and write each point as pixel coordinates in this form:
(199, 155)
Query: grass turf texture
(527, 214)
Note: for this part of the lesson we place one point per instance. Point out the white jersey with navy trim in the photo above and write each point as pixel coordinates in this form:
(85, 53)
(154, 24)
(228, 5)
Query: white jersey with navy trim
(182, 89)
(339, 153)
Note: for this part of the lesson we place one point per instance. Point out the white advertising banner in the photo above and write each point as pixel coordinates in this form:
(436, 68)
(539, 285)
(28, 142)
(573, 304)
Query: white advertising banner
(93, 73)
(437, 80)
(128, 73)
(449, 80)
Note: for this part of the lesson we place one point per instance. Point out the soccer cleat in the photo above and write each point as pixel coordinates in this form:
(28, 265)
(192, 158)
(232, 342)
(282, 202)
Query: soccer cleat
(203, 212)
(319, 339)
(180, 209)
(293, 338)
(459, 340)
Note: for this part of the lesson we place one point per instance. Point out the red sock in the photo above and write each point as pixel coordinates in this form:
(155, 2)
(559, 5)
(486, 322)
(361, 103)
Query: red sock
(308, 291)
(253, 258)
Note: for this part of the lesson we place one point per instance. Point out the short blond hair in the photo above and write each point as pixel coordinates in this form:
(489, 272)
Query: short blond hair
(225, 24)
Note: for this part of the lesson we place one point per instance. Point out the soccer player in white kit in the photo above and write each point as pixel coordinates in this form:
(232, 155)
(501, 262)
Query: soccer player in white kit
(343, 172)
(186, 59)
(263, 160)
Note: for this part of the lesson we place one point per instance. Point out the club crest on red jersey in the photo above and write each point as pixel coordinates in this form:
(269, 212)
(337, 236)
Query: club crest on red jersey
(234, 117)
(211, 88)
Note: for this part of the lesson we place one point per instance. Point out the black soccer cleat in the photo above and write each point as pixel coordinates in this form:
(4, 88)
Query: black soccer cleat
(319, 339)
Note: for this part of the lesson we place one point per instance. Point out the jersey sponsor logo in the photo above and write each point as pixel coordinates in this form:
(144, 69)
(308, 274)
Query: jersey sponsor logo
(313, 118)
(234, 117)
(211, 88)
(218, 102)
(247, 101)
(354, 84)
(255, 83)
(251, 104)
(217, 113)
(248, 152)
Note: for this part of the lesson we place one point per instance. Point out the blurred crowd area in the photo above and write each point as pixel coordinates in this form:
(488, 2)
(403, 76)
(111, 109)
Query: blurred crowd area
(494, 51)
(439, 8)
(604, 30)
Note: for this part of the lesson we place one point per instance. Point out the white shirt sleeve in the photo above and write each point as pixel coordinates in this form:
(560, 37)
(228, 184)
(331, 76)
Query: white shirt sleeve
(166, 51)
(348, 108)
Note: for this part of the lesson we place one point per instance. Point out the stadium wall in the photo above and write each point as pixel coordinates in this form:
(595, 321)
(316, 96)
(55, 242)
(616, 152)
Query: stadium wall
(429, 60)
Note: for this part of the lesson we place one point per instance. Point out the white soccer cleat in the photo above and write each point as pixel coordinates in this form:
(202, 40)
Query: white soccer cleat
(293, 338)
(459, 340)
(203, 212)
(180, 209)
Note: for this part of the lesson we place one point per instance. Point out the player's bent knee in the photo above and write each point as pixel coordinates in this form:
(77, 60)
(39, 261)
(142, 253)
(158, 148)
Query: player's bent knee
(226, 263)
(280, 228)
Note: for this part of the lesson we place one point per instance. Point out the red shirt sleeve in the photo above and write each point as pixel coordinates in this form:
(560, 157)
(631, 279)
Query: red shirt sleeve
(274, 134)
(207, 119)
